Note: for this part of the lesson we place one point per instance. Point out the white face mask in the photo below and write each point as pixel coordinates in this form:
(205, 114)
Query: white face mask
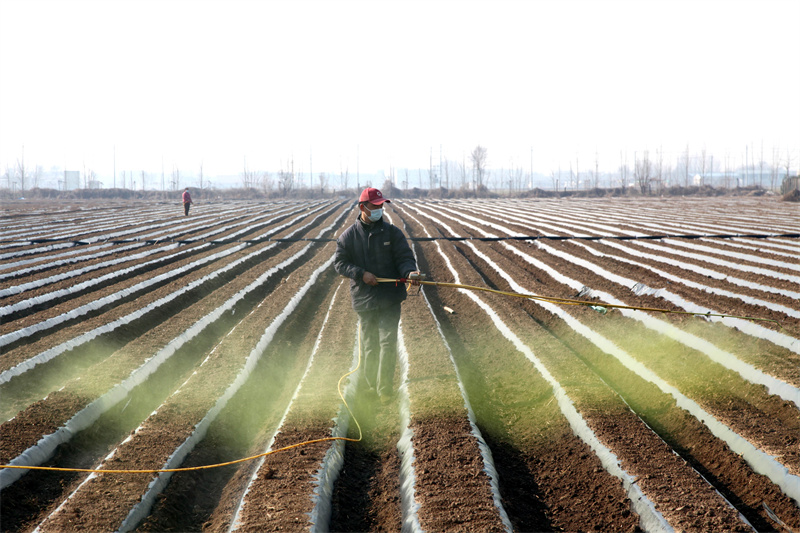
(375, 215)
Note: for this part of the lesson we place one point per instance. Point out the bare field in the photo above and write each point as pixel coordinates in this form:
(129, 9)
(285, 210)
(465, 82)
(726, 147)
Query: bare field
(134, 338)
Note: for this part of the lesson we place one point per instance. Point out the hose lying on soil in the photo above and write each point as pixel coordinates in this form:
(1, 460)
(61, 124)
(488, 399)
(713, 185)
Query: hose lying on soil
(597, 306)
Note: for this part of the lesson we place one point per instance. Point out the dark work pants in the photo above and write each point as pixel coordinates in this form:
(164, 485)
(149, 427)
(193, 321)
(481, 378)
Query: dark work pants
(186, 209)
(379, 347)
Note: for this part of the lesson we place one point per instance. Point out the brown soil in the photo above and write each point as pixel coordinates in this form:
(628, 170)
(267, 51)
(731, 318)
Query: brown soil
(549, 479)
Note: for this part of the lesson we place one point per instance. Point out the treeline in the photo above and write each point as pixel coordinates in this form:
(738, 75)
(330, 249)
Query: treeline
(389, 191)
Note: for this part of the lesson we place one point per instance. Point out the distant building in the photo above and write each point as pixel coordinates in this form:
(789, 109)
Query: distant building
(72, 180)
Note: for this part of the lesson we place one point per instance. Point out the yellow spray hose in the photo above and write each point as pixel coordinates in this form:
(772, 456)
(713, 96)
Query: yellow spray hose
(567, 301)
(228, 463)
(554, 300)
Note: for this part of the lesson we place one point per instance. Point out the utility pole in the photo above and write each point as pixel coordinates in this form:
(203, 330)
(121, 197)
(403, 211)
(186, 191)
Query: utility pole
(596, 169)
(464, 171)
(530, 178)
(21, 167)
(430, 169)
(711, 179)
(115, 166)
(745, 164)
(440, 162)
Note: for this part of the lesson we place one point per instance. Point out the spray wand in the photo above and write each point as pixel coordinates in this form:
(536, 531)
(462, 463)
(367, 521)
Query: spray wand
(601, 308)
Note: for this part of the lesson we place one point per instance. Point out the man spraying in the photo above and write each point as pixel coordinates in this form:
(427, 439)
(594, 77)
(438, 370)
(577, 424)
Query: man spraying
(369, 249)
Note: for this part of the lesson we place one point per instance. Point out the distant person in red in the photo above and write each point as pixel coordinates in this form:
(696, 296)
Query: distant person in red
(187, 201)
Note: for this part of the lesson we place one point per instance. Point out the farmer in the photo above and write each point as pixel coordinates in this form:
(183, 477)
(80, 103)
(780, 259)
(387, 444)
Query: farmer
(369, 249)
(187, 201)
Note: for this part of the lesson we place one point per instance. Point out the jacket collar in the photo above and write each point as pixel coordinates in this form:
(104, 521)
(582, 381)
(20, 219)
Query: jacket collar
(375, 226)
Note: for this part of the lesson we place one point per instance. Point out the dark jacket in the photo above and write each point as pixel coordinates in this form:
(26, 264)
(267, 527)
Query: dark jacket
(380, 248)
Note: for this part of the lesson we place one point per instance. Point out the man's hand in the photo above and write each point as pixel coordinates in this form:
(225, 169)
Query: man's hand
(413, 278)
(369, 278)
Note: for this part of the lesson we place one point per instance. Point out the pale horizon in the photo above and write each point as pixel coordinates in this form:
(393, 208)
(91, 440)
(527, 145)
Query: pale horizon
(120, 86)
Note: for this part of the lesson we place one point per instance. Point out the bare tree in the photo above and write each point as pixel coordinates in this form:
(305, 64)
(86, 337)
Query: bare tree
(668, 176)
(571, 176)
(36, 176)
(556, 179)
(685, 163)
(659, 169)
(176, 178)
(743, 183)
(516, 175)
(91, 178)
(21, 171)
(464, 171)
(727, 177)
(775, 168)
(703, 162)
(623, 169)
(286, 178)
(596, 180)
(249, 177)
(323, 182)
(478, 157)
(643, 172)
(433, 173)
(711, 170)
(266, 182)
(788, 162)
(285, 181)
(344, 176)
(8, 176)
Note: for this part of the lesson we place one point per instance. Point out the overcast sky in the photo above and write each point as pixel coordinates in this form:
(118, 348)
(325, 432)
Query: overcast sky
(370, 84)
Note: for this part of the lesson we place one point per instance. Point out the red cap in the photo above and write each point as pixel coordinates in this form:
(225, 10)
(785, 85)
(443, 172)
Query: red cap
(373, 196)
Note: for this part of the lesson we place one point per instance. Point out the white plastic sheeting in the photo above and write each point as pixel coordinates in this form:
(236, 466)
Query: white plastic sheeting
(759, 461)
(650, 518)
(46, 446)
(142, 509)
(485, 451)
